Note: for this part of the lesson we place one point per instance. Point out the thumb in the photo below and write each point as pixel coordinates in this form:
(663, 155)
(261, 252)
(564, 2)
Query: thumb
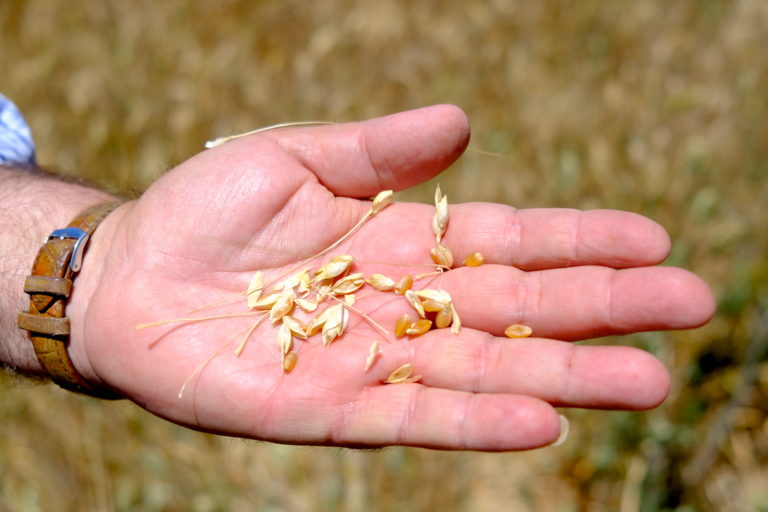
(392, 152)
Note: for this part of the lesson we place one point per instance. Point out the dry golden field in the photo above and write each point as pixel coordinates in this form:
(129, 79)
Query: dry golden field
(651, 106)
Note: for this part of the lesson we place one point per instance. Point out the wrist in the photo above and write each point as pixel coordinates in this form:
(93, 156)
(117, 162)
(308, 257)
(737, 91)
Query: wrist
(92, 275)
(33, 206)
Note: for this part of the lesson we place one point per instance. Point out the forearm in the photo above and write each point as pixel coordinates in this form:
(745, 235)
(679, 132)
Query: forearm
(33, 204)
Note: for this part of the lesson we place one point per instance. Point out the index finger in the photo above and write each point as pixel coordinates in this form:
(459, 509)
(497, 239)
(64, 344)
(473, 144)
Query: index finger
(541, 238)
(531, 239)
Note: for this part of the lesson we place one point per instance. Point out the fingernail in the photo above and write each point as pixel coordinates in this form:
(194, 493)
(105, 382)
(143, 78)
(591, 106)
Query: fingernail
(565, 426)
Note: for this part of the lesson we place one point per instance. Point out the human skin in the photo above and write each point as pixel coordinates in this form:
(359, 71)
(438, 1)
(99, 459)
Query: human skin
(271, 200)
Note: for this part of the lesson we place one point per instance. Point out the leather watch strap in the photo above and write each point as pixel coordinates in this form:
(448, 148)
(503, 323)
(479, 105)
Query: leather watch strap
(49, 287)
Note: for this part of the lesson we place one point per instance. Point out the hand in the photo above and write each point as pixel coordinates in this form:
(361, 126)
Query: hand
(269, 201)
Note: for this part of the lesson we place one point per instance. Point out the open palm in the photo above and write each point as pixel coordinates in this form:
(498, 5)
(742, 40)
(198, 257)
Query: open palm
(270, 201)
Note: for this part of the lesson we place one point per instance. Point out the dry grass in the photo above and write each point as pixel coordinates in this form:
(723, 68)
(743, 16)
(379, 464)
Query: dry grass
(656, 107)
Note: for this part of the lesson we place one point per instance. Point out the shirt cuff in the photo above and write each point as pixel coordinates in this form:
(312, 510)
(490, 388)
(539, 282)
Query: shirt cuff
(16, 144)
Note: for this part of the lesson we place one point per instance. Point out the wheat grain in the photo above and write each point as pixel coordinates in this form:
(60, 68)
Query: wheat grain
(381, 201)
(284, 340)
(518, 331)
(444, 317)
(296, 327)
(381, 283)
(441, 255)
(401, 325)
(307, 305)
(455, 320)
(402, 375)
(282, 306)
(431, 306)
(415, 302)
(348, 284)
(440, 218)
(437, 295)
(299, 280)
(474, 260)
(266, 302)
(334, 268)
(404, 284)
(255, 288)
(289, 362)
(335, 323)
(419, 327)
(373, 353)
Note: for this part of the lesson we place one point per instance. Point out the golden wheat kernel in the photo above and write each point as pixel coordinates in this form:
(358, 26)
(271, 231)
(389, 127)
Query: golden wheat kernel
(436, 294)
(296, 326)
(284, 339)
(347, 259)
(318, 321)
(401, 325)
(322, 289)
(400, 375)
(283, 306)
(254, 290)
(373, 353)
(348, 284)
(418, 327)
(315, 325)
(474, 260)
(307, 305)
(336, 322)
(415, 302)
(444, 317)
(518, 331)
(381, 282)
(381, 201)
(455, 321)
(344, 319)
(334, 268)
(266, 302)
(431, 305)
(441, 255)
(292, 282)
(330, 334)
(404, 284)
(305, 284)
(440, 218)
(289, 362)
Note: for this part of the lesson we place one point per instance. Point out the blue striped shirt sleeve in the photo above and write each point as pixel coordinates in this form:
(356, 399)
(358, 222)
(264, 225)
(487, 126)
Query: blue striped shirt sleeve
(16, 145)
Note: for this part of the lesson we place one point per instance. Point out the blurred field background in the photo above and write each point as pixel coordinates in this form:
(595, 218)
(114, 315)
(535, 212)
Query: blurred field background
(651, 106)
